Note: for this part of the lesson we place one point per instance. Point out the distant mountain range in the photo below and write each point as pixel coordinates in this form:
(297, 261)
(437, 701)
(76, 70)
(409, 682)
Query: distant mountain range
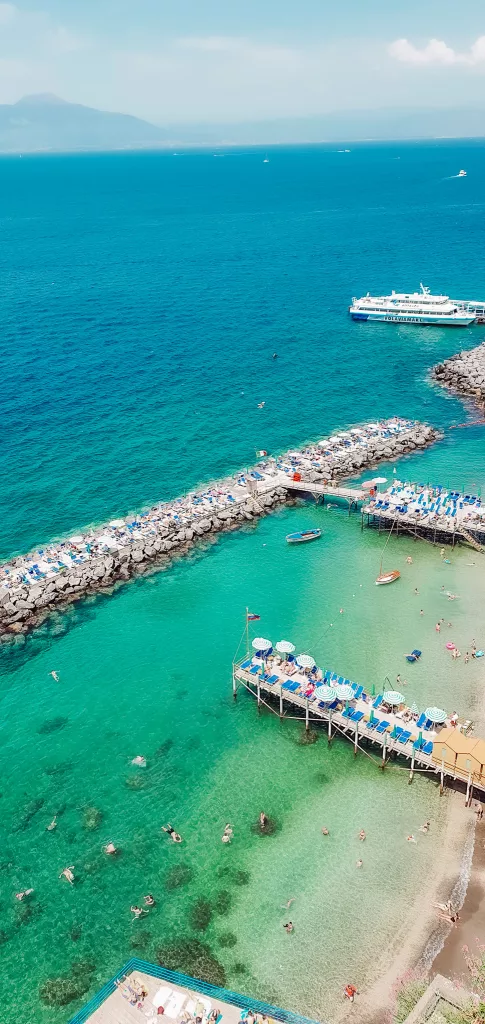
(45, 123)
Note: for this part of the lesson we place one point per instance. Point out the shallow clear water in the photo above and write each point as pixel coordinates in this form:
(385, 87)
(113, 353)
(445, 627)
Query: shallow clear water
(142, 295)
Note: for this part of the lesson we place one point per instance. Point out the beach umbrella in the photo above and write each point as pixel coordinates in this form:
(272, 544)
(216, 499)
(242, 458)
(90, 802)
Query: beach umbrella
(78, 539)
(393, 697)
(380, 480)
(305, 661)
(285, 647)
(436, 715)
(117, 522)
(414, 708)
(260, 644)
(325, 693)
(344, 691)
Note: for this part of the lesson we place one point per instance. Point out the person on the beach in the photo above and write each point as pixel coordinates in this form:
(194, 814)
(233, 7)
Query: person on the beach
(172, 833)
(350, 992)
(398, 678)
(425, 827)
(421, 612)
(466, 658)
(68, 874)
(416, 591)
(411, 839)
(438, 627)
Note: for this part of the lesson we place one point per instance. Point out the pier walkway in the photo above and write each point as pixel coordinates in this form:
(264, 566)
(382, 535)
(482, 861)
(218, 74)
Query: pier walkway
(435, 513)
(447, 751)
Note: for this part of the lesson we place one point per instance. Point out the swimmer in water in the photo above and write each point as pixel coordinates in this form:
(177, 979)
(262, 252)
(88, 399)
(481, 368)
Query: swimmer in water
(410, 839)
(263, 820)
(362, 835)
(110, 848)
(21, 895)
(172, 833)
(416, 591)
(52, 825)
(140, 761)
(325, 831)
(425, 828)
(68, 874)
(261, 405)
(55, 675)
(287, 905)
(138, 911)
(409, 560)
(288, 927)
(149, 900)
(359, 863)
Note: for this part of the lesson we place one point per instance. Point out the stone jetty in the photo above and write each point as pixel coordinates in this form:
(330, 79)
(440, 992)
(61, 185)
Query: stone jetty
(464, 373)
(51, 578)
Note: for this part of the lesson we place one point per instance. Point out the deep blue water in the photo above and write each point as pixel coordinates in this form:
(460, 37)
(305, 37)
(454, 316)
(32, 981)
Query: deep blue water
(144, 294)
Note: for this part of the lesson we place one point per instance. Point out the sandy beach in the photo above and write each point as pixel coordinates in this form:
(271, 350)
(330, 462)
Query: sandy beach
(421, 931)
(471, 926)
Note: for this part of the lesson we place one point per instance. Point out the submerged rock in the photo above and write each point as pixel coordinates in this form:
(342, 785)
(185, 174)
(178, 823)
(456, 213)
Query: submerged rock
(179, 875)
(194, 958)
(200, 915)
(92, 818)
(52, 724)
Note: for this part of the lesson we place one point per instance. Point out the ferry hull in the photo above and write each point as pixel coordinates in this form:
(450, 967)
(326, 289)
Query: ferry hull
(399, 318)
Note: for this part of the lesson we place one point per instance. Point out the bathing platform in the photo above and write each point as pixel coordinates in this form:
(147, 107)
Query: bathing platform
(389, 734)
(142, 991)
(434, 513)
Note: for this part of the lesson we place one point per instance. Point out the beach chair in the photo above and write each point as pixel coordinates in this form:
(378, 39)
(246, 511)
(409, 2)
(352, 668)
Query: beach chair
(397, 732)
(359, 691)
(288, 685)
(357, 716)
(421, 721)
(382, 727)
(347, 713)
(372, 724)
(246, 663)
(254, 670)
(405, 736)
(272, 679)
(428, 748)
(378, 701)
(418, 744)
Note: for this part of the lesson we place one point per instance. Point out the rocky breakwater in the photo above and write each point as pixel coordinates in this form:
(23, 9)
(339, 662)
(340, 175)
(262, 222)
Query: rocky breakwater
(24, 604)
(34, 585)
(464, 373)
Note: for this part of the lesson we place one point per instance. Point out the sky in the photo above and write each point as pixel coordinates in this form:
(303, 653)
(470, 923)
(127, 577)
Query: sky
(209, 61)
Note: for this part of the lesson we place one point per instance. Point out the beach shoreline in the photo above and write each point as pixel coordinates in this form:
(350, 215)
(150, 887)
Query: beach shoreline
(411, 952)
(469, 931)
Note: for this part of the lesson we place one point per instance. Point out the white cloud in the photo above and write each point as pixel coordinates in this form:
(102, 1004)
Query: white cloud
(437, 52)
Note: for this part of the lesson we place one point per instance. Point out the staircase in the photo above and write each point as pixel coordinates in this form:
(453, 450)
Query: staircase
(469, 539)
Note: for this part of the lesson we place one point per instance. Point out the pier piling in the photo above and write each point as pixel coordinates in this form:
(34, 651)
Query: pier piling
(384, 747)
(329, 727)
(411, 773)
(307, 715)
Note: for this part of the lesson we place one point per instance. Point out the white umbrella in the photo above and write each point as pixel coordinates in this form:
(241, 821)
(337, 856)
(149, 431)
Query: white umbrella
(325, 693)
(355, 430)
(285, 647)
(260, 644)
(436, 715)
(117, 522)
(78, 539)
(305, 661)
(380, 480)
(325, 443)
(344, 691)
(414, 708)
(393, 697)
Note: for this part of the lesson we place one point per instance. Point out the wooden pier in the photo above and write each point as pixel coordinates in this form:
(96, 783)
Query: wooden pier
(454, 759)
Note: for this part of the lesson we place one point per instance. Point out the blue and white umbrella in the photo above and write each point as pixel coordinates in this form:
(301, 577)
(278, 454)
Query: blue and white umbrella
(325, 693)
(260, 644)
(436, 715)
(393, 697)
(285, 647)
(305, 661)
(344, 691)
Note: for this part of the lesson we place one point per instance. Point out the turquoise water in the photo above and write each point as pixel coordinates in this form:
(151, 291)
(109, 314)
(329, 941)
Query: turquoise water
(142, 294)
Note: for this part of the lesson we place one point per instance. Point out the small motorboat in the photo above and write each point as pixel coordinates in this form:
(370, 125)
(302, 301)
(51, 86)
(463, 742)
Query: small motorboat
(387, 577)
(303, 536)
(461, 174)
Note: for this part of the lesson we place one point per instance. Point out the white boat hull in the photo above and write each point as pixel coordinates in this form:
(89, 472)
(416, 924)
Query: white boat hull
(455, 320)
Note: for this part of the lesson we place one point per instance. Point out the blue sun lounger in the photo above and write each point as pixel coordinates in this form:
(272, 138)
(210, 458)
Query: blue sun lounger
(397, 732)
(254, 670)
(405, 736)
(347, 713)
(359, 691)
(271, 680)
(382, 727)
(428, 748)
(372, 724)
(378, 701)
(246, 664)
(356, 716)
(421, 720)
(418, 744)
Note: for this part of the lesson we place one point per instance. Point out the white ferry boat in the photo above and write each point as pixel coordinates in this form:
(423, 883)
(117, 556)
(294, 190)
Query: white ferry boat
(416, 308)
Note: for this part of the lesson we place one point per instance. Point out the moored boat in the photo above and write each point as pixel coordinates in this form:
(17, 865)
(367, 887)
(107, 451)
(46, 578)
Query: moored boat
(388, 577)
(303, 536)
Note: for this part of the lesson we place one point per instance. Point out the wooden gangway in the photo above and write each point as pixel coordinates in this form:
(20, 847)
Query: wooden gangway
(392, 741)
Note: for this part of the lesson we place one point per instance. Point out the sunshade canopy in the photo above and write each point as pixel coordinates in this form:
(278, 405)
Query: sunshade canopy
(305, 661)
(260, 644)
(436, 715)
(344, 691)
(393, 697)
(285, 647)
(325, 693)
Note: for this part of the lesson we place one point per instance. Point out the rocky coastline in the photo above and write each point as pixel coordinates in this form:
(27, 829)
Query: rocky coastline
(464, 373)
(102, 558)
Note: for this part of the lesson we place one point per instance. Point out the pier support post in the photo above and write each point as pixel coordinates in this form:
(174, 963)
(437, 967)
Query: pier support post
(281, 703)
(411, 773)
(467, 798)
(442, 777)
(259, 692)
(356, 739)
(384, 745)
(234, 684)
(307, 715)
(329, 727)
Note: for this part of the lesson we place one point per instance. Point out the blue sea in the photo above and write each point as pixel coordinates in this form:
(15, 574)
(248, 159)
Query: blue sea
(143, 297)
